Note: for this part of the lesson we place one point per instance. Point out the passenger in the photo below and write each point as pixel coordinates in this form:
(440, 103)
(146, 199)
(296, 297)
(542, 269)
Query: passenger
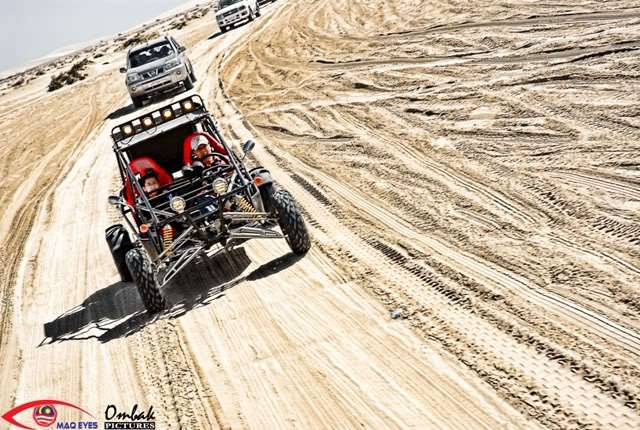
(149, 183)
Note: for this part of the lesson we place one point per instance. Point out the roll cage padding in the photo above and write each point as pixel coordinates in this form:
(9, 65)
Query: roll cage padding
(139, 166)
(215, 146)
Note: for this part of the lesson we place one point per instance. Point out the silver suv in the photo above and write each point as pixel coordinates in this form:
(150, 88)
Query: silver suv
(158, 66)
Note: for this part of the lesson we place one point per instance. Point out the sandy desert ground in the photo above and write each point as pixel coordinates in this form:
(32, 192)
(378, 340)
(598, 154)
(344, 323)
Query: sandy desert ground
(475, 164)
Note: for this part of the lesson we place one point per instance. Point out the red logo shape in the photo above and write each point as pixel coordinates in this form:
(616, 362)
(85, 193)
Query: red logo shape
(39, 405)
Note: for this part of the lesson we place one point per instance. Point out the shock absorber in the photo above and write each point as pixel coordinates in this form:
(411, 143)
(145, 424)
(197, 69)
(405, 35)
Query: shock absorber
(167, 237)
(244, 204)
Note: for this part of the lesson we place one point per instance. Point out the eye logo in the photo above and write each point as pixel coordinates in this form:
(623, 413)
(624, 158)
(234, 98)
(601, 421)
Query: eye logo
(44, 413)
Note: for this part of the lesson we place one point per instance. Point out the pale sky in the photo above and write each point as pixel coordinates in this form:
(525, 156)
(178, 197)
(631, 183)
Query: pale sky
(31, 29)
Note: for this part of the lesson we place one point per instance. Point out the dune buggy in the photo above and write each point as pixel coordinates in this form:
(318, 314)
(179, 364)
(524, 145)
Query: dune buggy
(198, 208)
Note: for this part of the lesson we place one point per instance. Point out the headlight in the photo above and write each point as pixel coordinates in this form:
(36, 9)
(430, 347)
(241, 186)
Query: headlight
(128, 130)
(171, 64)
(187, 106)
(242, 8)
(178, 204)
(147, 122)
(133, 77)
(167, 114)
(219, 186)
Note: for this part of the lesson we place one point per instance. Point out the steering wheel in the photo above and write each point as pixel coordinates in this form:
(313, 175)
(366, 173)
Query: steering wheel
(225, 158)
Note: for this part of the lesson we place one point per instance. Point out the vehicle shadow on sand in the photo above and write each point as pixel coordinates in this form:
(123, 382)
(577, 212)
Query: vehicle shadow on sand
(120, 112)
(215, 35)
(116, 311)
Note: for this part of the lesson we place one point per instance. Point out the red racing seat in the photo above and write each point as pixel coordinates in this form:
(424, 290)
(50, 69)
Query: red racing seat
(139, 166)
(215, 146)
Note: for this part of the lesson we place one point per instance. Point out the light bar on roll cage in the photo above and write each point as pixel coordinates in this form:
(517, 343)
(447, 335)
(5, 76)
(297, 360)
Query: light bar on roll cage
(151, 120)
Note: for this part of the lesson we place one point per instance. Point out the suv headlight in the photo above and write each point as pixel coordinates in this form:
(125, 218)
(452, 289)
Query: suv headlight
(133, 77)
(172, 63)
(242, 8)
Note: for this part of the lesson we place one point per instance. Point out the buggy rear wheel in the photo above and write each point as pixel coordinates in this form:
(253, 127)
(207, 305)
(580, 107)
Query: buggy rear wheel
(291, 221)
(145, 280)
(119, 244)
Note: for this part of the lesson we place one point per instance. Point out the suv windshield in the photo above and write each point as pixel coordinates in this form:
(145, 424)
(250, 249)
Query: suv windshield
(225, 3)
(152, 53)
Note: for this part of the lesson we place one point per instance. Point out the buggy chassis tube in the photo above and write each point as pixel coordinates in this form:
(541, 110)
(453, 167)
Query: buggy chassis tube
(176, 244)
(224, 143)
(216, 200)
(184, 259)
(134, 183)
(129, 223)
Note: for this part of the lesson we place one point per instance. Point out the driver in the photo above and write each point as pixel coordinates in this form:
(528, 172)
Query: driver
(201, 151)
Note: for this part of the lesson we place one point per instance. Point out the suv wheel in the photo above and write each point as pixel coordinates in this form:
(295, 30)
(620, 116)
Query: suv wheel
(291, 221)
(251, 15)
(257, 9)
(188, 83)
(192, 74)
(119, 244)
(137, 102)
(145, 280)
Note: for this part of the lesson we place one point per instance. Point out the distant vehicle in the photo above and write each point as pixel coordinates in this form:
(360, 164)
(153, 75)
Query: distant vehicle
(231, 12)
(158, 66)
(199, 207)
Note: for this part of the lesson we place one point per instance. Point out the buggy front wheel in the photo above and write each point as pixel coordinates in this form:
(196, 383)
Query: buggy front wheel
(145, 280)
(291, 221)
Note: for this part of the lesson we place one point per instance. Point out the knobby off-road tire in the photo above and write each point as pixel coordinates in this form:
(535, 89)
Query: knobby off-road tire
(291, 221)
(119, 244)
(142, 273)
